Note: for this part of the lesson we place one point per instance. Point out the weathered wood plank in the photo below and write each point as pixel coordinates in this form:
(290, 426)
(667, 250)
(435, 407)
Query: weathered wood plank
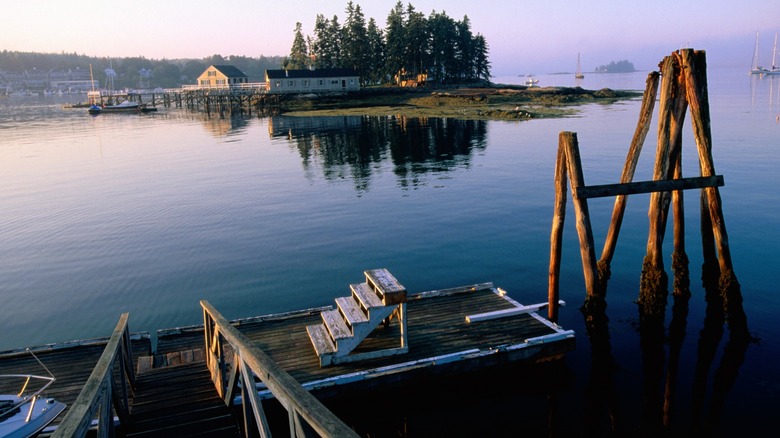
(351, 310)
(386, 285)
(667, 185)
(365, 295)
(336, 325)
(320, 339)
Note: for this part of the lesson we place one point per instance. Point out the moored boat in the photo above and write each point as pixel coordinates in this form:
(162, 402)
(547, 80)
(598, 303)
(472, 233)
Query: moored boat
(124, 107)
(27, 412)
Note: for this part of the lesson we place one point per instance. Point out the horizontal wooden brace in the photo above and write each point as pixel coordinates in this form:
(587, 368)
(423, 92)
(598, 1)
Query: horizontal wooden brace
(666, 185)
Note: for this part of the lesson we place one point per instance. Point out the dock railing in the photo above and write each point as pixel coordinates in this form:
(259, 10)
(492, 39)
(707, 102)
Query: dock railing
(102, 389)
(307, 415)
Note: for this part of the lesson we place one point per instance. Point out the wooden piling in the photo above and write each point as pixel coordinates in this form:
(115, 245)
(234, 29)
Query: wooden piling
(695, 68)
(643, 126)
(568, 141)
(556, 236)
(681, 284)
(653, 282)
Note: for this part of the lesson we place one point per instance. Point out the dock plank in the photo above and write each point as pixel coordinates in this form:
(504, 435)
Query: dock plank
(436, 328)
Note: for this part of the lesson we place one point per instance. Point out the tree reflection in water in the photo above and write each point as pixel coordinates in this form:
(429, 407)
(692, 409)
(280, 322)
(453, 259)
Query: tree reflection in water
(357, 147)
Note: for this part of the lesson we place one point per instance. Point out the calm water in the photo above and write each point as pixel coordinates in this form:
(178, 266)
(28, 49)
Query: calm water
(150, 214)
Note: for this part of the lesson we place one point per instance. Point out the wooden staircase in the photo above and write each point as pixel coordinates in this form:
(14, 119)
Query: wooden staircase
(343, 328)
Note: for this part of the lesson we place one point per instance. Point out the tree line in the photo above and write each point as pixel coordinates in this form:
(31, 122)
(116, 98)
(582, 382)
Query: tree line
(623, 66)
(438, 47)
(130, 72)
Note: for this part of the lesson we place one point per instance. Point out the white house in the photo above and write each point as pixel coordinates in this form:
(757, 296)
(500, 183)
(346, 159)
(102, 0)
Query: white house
(324, 80)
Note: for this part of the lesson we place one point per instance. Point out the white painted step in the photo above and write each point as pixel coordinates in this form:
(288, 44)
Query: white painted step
(320, 338)
(365, 296)
(352, 312)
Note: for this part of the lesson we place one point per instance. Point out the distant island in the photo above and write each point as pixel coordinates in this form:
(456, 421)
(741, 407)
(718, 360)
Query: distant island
(616, 67)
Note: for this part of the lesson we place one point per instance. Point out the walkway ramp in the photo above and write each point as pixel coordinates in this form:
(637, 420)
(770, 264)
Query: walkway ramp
(179, 401)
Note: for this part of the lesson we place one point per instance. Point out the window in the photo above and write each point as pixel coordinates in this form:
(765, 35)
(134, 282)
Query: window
(291, 83)
(278, 84)
(322, 82)
(305, 82)
(212, 73)
(334, 82)
(352, 81)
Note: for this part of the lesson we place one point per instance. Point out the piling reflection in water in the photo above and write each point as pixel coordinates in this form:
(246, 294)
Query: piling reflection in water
(661, 410)
(355, 146)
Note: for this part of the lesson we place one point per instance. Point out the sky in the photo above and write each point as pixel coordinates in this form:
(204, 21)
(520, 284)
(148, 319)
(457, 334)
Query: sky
(523, 36)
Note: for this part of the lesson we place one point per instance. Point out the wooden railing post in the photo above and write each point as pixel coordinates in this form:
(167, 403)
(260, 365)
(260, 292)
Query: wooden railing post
(303, 407)
(97, 394)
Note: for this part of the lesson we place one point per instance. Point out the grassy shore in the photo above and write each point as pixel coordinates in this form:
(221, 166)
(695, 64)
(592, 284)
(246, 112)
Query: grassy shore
(496, 102)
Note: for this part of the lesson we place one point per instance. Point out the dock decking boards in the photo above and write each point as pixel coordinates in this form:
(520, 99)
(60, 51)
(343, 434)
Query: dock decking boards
(179, 401)
(436, 326)
(437, 334)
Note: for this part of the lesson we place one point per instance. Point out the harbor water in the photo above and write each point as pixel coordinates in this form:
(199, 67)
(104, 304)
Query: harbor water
(150, 213)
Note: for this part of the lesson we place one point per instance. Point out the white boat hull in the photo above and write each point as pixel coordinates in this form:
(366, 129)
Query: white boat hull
(23, 422)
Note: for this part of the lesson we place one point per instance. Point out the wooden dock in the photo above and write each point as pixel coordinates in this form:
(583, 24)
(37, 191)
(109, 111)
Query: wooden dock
(441, 340)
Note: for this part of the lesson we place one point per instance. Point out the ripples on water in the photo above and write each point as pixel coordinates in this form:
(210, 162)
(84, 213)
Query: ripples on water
(151, 213)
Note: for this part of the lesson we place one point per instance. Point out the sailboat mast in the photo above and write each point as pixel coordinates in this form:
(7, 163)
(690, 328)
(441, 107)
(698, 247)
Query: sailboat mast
(755, 54)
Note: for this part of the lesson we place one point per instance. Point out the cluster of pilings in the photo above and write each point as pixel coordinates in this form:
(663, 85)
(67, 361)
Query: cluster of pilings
(683, 88)
(221, 103)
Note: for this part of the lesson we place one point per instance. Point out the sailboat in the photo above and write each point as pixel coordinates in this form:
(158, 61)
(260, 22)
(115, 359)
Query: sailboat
(775, 70)
(756, 69)
(578, 74)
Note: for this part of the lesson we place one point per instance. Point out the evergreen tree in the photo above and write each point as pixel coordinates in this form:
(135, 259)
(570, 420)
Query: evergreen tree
(481, 62)
(354, 46)
(417, 42)
(464, 52)
(395, 41)
(442, 30)
(376, 49)
(299, 54)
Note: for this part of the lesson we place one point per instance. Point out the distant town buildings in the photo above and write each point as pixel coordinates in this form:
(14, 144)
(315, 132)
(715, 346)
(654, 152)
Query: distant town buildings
(39, 82)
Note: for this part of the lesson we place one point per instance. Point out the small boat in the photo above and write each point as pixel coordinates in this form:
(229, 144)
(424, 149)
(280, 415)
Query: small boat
(531, 81)
(775, 70)
(578, 74)
(26, 413)
(124, 107)
(756, 69)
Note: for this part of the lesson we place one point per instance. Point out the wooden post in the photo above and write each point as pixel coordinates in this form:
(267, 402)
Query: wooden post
(568, 140)
(643, 126)
(556, 236)
(695, 77)
(695, 68)
(679, 256)
(652, 290)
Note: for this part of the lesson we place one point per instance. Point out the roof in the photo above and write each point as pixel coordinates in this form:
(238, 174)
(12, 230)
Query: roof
(317, 73)
(230, 71)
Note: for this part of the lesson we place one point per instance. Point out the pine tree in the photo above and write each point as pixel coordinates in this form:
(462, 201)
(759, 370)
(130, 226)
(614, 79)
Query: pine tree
(395, 41)
(376, 58)
(299, 54)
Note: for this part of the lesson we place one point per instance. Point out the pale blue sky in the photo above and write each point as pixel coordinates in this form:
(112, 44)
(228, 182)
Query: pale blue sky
(524, 36)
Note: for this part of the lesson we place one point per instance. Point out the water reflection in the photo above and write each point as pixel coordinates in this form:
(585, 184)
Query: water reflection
(223, 126)
(660, 362)
(765, 87)
(354, 147)
(601, 397)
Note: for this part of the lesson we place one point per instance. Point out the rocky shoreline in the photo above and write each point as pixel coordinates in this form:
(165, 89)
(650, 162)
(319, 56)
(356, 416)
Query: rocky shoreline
(494, 102)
